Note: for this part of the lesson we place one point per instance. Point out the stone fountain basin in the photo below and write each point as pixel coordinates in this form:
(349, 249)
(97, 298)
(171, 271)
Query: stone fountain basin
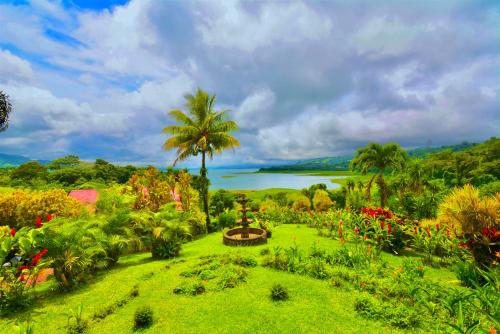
(256, 236)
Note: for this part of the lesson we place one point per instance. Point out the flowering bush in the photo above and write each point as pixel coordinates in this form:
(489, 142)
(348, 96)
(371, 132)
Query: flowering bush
(21, 208)
(21, 256)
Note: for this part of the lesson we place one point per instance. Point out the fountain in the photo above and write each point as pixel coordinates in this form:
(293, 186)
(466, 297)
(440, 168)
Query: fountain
(244, 235)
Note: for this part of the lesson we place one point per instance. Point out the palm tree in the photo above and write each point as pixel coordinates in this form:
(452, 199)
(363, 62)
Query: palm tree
(5, 109)
(379, 157)
(202, 131)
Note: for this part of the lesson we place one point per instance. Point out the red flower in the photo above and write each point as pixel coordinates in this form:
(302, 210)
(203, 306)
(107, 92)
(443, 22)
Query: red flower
(38, 222)
(21, 278)
(38, 257)
(389, 228)
(12, 231)
(356, 230)
(341, 223)
(428, 232)
(438, 227)
(448, 233)
(382, 224)
(365, 237)
(49, 217)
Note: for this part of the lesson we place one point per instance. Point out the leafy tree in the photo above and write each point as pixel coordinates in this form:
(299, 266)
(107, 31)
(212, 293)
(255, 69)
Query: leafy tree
(381, 158)
(67, 161)
(69, 176)
(201, 131)
(309, 192)
(29, 171)
(221, 201)
(5, 110)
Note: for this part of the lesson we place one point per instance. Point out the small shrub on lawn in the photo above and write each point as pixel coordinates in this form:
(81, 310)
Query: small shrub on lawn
(336, 282)
(244, 260)
(279, 292)
(143, 317)
(231, 277)
(135, 291)
(197, 289)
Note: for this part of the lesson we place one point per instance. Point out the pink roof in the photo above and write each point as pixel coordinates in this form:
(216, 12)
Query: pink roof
(175, 195)
(87, 196)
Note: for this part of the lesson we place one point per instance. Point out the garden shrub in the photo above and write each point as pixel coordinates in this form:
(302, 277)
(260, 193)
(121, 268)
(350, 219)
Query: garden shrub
(321, 200)
(477, 218)
(226, 219)
(301, 203)
(143, 317)
(279, 292)
(21, 208)
(222, 201)
(22, 256)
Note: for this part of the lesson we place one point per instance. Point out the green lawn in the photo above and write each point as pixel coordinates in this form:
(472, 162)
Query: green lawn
(314, 306)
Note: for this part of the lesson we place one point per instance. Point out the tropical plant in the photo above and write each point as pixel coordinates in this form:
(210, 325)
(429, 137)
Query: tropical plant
(381, 158)
(201, 131)
(477, 218)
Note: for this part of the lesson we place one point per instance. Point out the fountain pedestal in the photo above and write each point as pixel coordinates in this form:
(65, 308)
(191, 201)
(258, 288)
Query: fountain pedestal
(244, 235)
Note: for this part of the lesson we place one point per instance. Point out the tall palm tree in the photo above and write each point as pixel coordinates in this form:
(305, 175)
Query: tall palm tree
(381, 158)
(201, 131)
(5, 109)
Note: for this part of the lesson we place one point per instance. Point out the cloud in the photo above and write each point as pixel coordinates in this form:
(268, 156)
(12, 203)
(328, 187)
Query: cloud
(13, 68)
(256, 110)
(304, 79)
(231, 26)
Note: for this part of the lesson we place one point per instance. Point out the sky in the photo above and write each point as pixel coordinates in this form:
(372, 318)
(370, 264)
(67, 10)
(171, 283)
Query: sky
(303, 79)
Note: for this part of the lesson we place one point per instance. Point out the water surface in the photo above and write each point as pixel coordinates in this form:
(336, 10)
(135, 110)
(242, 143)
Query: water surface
(243, 179)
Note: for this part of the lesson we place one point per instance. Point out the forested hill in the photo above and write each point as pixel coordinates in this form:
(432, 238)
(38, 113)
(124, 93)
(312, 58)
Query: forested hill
(11, 160)
(342, 162)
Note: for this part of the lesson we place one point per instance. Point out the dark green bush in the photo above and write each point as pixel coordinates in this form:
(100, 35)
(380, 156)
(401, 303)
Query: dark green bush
(143, 317)
(279, 292)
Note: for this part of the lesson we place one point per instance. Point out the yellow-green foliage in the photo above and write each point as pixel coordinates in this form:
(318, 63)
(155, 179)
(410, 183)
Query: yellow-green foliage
(150, 190)
(268, 205)
(20, 208)
(321, 200)
(301, 203)
(466, 210)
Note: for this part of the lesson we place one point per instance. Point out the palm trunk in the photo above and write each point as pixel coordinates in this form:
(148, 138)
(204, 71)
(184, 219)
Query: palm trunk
(368, 193)
(382, 189)
(204, 180)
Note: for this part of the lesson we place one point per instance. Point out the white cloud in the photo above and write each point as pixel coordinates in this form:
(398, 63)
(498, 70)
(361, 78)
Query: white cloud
(232, 26)
(13, 68)
(256, 110)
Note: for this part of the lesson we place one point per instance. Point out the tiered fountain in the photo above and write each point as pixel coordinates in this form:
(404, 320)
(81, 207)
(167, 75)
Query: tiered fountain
(244, 235)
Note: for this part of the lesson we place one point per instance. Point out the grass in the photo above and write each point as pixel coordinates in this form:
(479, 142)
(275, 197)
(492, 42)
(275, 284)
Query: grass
(314, 306)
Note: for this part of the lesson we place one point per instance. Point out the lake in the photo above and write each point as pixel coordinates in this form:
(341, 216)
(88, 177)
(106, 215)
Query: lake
(243, 179)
